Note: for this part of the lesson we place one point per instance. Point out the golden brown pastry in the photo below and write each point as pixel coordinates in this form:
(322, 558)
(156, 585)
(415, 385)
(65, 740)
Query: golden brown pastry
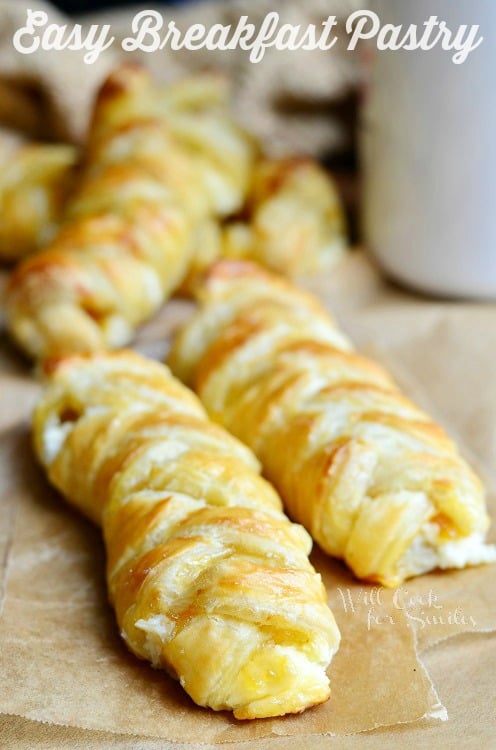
(370, 476)
(208, 578)
(35, 180)
(133, 225)
(196, 113)
(295, 222)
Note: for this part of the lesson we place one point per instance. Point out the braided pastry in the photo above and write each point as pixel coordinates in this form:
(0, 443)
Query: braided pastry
(295, 222)
(196, 114)
(368, 474)
(34, 182)
(208, 578)
(130, 231)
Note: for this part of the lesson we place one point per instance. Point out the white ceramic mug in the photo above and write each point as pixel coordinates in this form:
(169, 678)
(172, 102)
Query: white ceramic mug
(429, 155)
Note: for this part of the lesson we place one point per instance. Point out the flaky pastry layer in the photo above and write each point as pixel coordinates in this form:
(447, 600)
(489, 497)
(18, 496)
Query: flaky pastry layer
(160, 164)
(293, 221)
(208, 578)
(35, 180)
(370, 476)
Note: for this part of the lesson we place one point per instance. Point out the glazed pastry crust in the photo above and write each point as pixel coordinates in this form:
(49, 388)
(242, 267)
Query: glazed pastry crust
(208, 578)
(294, 221)
(35, 181)
(153, 174)
(370, 476)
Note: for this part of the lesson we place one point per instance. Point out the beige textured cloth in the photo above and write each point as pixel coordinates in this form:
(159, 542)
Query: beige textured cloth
(288, 99)
(46, 94)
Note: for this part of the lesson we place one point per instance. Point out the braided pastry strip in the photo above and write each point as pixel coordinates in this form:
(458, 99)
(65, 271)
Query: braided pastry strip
(208, 578)
(295, 221)
(130, 230)
(370, 476)
(35, 180)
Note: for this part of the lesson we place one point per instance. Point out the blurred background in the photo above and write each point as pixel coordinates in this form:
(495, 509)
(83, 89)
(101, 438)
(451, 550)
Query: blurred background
(421, 124)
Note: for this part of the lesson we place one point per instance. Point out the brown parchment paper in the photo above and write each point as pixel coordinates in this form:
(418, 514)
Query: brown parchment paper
(468, 689)
(61, 659)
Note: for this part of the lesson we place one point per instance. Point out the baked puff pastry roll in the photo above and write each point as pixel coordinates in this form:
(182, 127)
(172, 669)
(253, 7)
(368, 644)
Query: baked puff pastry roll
(370, 476)
(35, 181)
(294, 221)
(208, 578)
(196, 113)
(131, 229)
